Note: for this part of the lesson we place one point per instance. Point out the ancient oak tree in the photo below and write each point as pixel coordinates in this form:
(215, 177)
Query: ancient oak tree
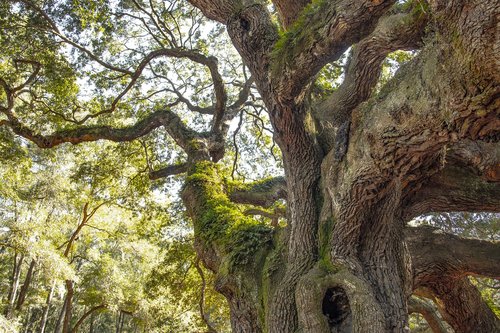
(361, 157)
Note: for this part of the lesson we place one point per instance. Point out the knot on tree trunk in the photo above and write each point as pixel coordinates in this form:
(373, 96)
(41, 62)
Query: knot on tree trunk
(335, 300)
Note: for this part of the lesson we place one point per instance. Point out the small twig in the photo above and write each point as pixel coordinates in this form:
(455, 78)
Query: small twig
(236, 149)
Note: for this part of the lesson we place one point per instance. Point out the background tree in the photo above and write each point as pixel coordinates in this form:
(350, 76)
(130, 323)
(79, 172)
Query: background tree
(361, 156)
(85, 258)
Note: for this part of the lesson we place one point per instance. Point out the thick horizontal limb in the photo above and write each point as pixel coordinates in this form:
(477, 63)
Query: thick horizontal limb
(435, 253)
(461, 305)
(263, 193)
(469, 181)
(441, 263)
(170, 170)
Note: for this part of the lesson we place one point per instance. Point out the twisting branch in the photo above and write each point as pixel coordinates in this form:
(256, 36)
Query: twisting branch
(85, 315)
(236, 149)
(227, 114)
(204, 316)
(195, 108)
(435, 253)
(12, 92)
(460, 304)
(441, 263)
(401, 31)
(332, 26)
(210, 62)
(273, 215)
(242, 98)
(36, 69)
(218, 10)
(173, 124)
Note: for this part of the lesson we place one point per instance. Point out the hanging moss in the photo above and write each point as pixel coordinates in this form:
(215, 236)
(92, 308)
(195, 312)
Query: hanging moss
(245, 240)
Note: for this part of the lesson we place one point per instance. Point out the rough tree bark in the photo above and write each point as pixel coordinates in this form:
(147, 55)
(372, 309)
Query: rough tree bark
(358, 164)
(345, 262)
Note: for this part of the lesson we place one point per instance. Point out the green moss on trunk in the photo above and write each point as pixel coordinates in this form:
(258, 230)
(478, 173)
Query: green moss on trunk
(219, 221)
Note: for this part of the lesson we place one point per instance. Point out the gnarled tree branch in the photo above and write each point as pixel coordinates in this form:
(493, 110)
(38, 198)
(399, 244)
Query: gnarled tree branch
(170, 170)
(469, 181)
(327, 30)
(441, 263)
(461, 304)
(173, 124)
(218, 10)
(401, 31)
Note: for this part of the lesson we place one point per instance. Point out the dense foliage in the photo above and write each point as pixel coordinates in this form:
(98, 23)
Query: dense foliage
(131, 264)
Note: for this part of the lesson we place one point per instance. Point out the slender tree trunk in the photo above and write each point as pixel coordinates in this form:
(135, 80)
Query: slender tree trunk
(68, 304)
(14, 284)
(60, 318)
(119, 321)
(24, 288)
(28, 320)
(45, 315)
(85, 315)
(122, 323)
(91, 326)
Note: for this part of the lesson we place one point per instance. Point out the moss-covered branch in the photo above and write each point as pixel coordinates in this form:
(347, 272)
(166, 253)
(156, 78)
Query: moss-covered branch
(168, 171)
(219, 223)
(180, 133)
(323, 31)
(261, 193)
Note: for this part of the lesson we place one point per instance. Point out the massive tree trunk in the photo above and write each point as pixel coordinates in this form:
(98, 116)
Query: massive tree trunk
(354, 170)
